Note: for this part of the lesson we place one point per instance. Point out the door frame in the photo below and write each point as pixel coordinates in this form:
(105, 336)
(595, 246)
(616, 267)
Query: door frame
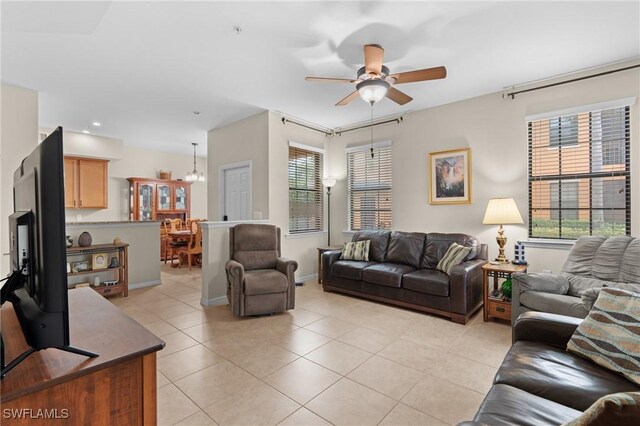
(222, 186)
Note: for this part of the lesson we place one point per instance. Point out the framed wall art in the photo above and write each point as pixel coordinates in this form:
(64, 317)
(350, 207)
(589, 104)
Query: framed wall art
(450, 176)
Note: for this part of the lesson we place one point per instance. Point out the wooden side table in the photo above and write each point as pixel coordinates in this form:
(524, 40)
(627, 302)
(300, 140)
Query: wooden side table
(496, 307)
(320, 251)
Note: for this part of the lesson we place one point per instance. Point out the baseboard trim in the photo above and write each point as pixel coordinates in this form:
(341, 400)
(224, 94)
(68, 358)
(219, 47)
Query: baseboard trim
(144, 284)
(222, 300)
(307, 278)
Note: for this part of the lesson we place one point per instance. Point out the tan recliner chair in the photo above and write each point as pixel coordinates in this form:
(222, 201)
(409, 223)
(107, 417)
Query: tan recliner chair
(259, 281)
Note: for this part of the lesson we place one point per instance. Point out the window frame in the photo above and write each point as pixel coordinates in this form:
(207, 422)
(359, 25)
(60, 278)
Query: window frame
(366, 148)
(592, 175)
(318, 188)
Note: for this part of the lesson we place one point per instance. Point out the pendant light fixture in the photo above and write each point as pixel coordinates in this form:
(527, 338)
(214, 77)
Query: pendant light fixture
(194, 175)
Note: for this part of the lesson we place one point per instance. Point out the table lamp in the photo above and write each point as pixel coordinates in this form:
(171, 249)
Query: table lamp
(502, 211)
(328, 182)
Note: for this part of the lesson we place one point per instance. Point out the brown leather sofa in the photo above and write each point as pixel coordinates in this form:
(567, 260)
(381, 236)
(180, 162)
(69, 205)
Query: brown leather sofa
(540, 383)
(402, 271)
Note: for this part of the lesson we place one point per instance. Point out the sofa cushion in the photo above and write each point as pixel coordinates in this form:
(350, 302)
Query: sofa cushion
(548, 283)
(264, 281)
(608, 258)
(388, 274)
(609, 334)
(428, 281)
(506, 405)
(356, 250)
(406, 248)
(581, 256)
(560, 304)
(379, 243)
(438, 244)
(630, 267)
(553, 373)
(256, 246)
(578, 284)
(349, 269)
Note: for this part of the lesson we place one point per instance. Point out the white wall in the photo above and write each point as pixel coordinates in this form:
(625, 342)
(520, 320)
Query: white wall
(19, 136)
(244, 140)
(495, 130)
(127, 161)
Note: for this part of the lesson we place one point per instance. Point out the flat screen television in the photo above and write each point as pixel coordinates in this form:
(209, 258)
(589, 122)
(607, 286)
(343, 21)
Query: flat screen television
(37, 284)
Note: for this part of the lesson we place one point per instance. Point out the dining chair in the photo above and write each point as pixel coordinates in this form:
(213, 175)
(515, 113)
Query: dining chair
(194, 247)
(172, 225)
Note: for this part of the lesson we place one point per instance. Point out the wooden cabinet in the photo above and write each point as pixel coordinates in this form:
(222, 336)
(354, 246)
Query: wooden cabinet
(157, 199)
(85, 183)
(119, 274)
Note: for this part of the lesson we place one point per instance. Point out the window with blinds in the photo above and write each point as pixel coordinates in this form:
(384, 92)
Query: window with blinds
(579, 175)
(369, 188)
(305, 190)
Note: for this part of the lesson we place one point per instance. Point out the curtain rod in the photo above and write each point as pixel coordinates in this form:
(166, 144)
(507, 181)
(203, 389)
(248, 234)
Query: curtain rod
(286, 120)
(366, 126)
(512, 95)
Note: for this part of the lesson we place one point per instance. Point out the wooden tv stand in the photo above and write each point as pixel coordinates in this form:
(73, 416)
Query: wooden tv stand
(52, 386)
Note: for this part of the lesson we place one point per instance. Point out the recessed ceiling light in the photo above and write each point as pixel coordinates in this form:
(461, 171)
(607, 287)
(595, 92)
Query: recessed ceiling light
(237, 29)
(96, 123)
(86, 131)
(196, 112)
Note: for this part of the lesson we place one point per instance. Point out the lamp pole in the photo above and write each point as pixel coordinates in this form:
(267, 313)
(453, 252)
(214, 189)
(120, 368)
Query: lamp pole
(328, 215)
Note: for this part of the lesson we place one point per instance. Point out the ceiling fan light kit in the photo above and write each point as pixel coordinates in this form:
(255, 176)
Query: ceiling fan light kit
(374, 81)
(372, 91)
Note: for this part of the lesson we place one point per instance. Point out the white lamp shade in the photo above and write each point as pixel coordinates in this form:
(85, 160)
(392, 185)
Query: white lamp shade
(372, 90)
(328, 182)
(502, 211)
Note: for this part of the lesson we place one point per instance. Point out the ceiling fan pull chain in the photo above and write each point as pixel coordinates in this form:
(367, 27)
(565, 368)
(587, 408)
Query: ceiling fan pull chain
(371, 127)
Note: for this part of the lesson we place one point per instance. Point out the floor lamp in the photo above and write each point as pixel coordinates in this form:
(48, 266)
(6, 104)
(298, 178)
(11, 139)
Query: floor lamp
(328, 183)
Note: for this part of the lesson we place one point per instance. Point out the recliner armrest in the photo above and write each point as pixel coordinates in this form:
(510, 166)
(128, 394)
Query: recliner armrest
(235, 271)
(288, 267)
(542, 327)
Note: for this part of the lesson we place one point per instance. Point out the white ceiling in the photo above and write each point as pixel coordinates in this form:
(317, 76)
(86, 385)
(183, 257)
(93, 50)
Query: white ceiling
(141, 68)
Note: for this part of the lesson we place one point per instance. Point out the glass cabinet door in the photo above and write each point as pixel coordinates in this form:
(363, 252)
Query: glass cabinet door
(180, 197)
(145, 201)
(164, 197)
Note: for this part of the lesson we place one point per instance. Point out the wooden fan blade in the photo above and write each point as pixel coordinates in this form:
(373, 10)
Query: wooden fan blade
(348, 98)
(330, 80)
(420, 75)
(398, 97)
(373, 54)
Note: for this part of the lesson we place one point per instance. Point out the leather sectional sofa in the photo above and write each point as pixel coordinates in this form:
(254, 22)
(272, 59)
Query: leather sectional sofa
(402, 271)
(540, 383)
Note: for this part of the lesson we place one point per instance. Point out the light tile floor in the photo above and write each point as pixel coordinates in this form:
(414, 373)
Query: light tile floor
(333, 360)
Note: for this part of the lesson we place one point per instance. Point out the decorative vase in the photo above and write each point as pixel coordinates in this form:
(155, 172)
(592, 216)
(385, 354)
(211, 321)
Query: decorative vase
(96, 281)
(69, 241)
(84, 240)
(117, 241)
(114, 262)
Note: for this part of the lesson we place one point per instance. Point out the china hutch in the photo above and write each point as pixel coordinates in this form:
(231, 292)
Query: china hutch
(158, 199)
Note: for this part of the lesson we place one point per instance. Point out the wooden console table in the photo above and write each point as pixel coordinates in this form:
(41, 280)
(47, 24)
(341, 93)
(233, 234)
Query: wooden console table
(117, 387)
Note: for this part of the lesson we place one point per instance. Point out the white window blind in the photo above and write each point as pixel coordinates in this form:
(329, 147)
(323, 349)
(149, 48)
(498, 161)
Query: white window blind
(305, 190)
(369, 188)
(579, 174)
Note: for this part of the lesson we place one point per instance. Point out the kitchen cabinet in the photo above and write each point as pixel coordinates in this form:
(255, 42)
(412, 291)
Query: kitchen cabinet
(86, 184)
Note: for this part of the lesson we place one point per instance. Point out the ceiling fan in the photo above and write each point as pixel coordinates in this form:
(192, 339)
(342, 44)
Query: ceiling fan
(374, 81)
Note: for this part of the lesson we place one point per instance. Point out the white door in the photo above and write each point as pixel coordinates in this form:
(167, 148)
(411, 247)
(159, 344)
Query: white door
(237, 186)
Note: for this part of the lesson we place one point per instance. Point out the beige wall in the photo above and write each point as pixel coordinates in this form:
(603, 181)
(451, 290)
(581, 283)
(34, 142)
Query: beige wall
(302, 248)
(244, 140)
(19, 136)
(127, 161)
(496, 131)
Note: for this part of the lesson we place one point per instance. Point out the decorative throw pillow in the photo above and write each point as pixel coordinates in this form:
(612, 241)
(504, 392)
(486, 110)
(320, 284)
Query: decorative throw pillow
(608, 336)
(356, 250)
(616, 409)
(454, 256)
